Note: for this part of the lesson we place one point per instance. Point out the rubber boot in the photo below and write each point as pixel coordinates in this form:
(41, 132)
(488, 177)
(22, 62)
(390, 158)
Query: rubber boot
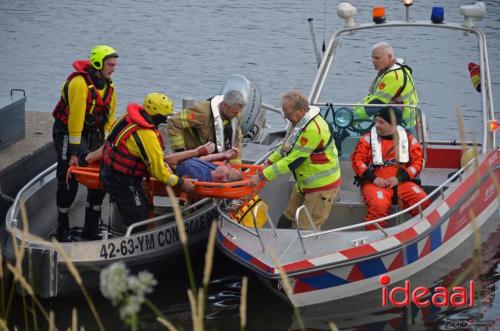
(91, 228)
(63, 233)
(284, 223)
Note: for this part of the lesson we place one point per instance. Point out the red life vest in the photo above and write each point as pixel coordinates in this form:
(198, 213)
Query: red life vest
(116, 154)
(97, 110)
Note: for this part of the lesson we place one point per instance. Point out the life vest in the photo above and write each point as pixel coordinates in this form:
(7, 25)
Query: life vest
(316, 167)
(405, 94)
(116, 154)
(97, 110)
(219, 127)
(245, 215)
(403, 150)
(294, 133)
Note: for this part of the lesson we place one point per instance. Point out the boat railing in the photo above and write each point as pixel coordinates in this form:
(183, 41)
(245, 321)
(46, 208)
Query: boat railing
(488, 113)
(437, 191)
(440, 190)
(158, 218)
(39, 179)
(297, 223)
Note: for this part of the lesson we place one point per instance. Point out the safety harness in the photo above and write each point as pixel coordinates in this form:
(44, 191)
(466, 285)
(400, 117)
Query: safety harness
(116, 154)
(97, 110)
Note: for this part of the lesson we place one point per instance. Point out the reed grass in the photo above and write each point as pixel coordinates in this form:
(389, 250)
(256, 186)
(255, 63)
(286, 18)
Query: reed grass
(52, 322)
(333, 326)
(285, 281)
(74, 320)
(17, 271)
(182, 236)
(243, 303)
(167, 324)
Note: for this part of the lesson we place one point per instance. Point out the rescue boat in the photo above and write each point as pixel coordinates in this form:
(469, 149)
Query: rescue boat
(151, 244)
(344, 260)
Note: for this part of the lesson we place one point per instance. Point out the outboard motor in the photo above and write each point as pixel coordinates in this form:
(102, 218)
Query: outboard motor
(249, 120)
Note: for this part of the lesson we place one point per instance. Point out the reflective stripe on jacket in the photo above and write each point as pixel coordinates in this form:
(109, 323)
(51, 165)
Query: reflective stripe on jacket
(313, 159)
(97, 105)
(194, 126)
(134, 147)
(395, 85)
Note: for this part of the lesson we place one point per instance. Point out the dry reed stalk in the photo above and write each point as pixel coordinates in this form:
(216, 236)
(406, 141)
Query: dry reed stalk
(194, 310)
(166, 324)
(74, 320)
(52, 323)
(201, 308)
(2, 289)
(76, 275)
(207, 270)
(178, 216)
(477, 261)
(182, 236)
(71, 268)
(18, 277)
(209, 255)
(333, 326)
(24, 284)
(243, 303)
(286, 286)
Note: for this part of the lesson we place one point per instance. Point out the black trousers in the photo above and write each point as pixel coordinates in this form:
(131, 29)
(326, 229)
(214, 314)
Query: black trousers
(66, 192)
(127, 193)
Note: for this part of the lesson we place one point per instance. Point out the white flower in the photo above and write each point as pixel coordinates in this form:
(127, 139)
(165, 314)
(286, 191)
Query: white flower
(143, 284)
(131, 307)
(126, 291)
(113, 282)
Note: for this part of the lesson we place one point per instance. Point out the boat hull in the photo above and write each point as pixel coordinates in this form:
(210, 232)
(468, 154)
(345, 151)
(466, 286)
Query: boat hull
(458, 214)
(156, 247)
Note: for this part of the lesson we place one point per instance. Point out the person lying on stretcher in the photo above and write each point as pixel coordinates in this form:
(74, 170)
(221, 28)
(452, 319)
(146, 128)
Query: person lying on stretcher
(197, 164)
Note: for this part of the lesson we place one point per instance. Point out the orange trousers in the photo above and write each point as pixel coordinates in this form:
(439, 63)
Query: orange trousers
(379, 200)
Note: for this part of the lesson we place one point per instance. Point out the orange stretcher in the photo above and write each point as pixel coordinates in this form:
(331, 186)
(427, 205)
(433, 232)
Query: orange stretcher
(89, 176)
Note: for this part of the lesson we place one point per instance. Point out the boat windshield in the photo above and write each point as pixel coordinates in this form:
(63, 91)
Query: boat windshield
(439, 60)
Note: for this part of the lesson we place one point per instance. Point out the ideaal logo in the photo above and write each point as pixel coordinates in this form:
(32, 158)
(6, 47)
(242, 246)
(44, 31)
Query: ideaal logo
(401, 296)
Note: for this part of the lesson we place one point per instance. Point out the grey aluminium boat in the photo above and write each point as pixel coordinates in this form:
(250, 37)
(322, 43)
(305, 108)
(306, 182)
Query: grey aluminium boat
(150, 244)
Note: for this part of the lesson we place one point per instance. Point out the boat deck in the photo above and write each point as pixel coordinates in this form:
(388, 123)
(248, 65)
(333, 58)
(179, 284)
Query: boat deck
(430, 177)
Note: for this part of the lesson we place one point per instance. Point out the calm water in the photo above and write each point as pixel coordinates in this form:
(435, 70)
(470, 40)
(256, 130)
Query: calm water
(188, 49)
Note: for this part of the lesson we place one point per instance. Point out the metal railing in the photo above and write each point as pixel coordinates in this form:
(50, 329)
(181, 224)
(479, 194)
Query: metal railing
(489, 138)
(438, 191)
(38, 179)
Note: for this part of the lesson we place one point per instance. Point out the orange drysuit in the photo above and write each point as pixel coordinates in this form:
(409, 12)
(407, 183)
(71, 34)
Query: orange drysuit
(379, 199)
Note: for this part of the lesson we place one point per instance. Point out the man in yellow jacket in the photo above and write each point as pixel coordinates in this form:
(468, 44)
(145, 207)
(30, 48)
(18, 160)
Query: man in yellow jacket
(83, 117)
(393, 85)
(309, 153)
(209, 121)
(134, 150)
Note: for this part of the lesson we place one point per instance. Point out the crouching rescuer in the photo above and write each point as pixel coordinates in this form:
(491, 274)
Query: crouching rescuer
(134, 150)
(309, 153)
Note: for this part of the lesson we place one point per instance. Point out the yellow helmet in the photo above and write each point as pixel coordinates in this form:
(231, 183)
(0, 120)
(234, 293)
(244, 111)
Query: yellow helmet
(158, 104)
(99, 54)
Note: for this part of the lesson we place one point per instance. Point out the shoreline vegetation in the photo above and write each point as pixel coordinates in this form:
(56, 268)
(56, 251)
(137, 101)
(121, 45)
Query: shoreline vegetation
(128, 293)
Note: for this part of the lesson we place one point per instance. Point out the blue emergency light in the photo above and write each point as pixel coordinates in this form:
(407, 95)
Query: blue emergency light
(437, 15)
